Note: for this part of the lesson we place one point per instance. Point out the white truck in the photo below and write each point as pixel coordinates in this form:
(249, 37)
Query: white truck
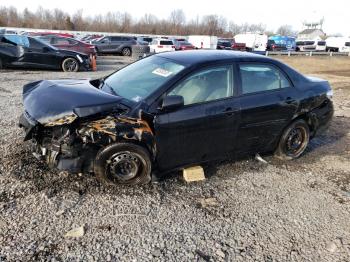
(203, 41)
(253, 41)
(305, 45)
(338, 44)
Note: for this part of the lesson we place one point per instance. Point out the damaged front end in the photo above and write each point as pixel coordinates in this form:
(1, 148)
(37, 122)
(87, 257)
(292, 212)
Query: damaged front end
(73, 146)
(70, 140)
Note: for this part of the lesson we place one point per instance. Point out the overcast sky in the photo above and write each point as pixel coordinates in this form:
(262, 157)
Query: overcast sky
(271, 13)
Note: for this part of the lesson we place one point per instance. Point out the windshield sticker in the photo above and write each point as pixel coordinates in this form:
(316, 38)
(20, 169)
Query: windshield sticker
(137, 98)
(161, 72)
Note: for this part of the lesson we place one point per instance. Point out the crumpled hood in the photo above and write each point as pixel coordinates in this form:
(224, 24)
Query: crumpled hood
(50, 100)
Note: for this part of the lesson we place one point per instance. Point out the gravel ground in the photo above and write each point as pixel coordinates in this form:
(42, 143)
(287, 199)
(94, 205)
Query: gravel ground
(245, 210)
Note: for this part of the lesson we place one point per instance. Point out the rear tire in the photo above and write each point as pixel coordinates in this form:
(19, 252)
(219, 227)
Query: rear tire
(70, 64)
(123, 163)
(126, 51)
(293, 141)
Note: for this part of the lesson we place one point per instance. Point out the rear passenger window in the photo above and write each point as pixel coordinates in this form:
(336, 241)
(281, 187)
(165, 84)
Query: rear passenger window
(259, 78)
(116, 38)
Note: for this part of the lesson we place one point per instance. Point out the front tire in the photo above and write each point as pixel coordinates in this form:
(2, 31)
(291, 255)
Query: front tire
(123, 163)
(293, 141)
(70, 64)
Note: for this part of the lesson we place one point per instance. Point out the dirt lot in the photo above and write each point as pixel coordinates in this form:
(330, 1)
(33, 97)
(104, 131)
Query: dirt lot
(245, 210)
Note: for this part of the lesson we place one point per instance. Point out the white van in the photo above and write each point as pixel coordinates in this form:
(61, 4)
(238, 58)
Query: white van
(253, 42)
(203, 41)
(310, 45)
(338, 44)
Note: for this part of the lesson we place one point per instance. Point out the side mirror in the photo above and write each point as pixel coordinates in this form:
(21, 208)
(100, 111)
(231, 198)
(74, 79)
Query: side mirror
(171, 103)
(46, 49)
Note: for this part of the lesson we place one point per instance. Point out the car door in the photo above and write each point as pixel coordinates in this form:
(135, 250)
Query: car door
(39, 55)
(205, 127)
(104, 44)
(268, 102)
(116, 41)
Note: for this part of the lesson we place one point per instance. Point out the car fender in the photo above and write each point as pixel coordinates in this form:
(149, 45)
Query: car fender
(120, 129)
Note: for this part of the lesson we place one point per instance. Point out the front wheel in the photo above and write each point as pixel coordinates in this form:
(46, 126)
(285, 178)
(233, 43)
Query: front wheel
(70, 64)
(294, 140)
(123, 163)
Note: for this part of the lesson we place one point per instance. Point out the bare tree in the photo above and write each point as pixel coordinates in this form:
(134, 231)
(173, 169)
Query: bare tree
(177, 20)
(286, 30)
(176, 23)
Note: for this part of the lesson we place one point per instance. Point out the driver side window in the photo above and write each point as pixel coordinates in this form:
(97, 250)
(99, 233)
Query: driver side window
(206, 85)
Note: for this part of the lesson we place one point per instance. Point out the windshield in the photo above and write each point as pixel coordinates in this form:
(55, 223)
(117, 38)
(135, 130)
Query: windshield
(140, 79)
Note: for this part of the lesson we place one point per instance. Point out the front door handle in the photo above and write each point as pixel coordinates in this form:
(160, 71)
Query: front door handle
(229, 111)
(287, 101)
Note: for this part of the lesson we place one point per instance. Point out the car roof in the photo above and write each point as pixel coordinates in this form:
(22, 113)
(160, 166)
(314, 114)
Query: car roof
(192, 57)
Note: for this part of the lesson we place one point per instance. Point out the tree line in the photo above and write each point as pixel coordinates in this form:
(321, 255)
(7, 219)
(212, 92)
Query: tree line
(123, 22)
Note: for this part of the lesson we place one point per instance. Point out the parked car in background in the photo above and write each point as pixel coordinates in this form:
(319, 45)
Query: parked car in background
(50, 33)
(223, 45)
(338, 44)
(253, 42)
(88, 38)
(146, 39)
(28, 52)
(174, 110)
(203, 41)
(230, 44)
(114, 44)
(182, 44)
(160, 45)
(69, 44)
(7, 31)
(282, 43)
(310, 45)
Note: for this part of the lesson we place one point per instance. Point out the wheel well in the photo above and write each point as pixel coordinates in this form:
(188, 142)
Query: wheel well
(310, 120)
(149, 148)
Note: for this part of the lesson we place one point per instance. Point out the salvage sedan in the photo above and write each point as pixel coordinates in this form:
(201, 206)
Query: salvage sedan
(20, 51)
(174, 110)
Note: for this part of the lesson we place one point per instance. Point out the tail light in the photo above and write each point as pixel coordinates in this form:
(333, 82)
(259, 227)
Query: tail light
(160, 46)
(172, 46)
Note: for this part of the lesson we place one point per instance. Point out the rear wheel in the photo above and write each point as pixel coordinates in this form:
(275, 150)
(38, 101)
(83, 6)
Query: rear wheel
(294, 140)
(126, 51)
(70, 64)
(123, 163)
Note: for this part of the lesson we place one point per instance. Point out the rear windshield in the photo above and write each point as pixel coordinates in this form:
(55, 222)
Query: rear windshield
(347, 44)
(147, 39)
(166, 42)
(185, 43)
(226, 44)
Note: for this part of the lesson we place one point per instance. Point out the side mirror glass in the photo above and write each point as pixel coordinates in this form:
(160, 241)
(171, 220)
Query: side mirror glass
(171, 103)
